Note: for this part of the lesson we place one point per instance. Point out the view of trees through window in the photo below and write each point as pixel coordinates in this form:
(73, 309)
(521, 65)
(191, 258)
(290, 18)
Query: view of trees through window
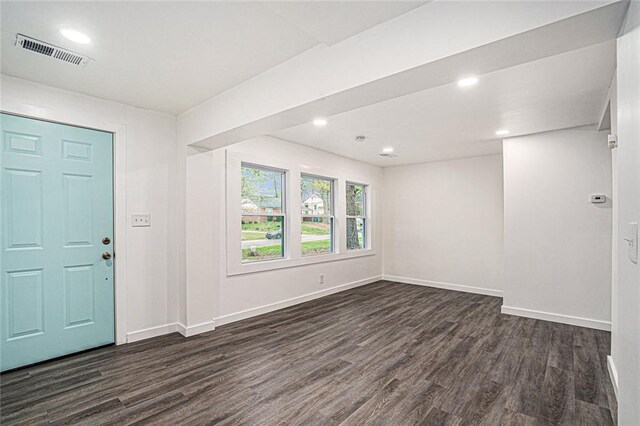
(316, 212)
(356, 216)
(263, 215)
(264, 220)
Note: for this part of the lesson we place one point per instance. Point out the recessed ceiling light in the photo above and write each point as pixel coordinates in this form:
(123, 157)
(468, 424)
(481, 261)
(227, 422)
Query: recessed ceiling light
(466, 82)
(502, 132)
(387, 150)
(320, 122)
(75, 35)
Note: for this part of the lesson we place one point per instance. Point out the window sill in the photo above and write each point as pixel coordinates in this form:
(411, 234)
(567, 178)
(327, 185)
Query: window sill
(271, 265)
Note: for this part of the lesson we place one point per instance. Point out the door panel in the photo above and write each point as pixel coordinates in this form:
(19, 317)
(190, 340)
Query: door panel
(23, 144)
(24, 293)
(79, 288)
(76, 151)
(24, 208)
(78, 218)
(57, 293)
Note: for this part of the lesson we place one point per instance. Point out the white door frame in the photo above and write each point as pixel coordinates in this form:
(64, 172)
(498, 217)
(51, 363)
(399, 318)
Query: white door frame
(119, 131)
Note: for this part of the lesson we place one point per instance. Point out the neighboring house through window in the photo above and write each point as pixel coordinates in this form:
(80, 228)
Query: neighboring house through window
(317, 220)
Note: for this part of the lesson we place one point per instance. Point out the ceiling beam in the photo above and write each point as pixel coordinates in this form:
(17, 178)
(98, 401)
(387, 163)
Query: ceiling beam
(428, 47)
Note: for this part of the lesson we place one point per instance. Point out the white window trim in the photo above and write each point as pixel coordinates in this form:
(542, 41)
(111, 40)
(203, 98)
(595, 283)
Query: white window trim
(293, 244)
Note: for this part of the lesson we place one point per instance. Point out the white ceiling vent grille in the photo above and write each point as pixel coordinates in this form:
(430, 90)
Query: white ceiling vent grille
(37, 46)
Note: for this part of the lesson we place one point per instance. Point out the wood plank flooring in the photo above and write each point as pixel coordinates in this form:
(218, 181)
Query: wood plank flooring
(382, 354)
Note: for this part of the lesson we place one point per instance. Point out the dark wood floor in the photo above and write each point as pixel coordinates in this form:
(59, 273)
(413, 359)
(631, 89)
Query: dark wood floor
(384, 353)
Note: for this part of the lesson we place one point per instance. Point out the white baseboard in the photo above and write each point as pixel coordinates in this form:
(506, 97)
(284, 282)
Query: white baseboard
(237, 316)
(563, 319)
(446, 286)
(192, 330)
(148, 333)
(160, 330)
(613, 373)
(226, 319)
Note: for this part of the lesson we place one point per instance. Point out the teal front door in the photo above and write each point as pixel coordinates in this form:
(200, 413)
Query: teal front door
(57, 240)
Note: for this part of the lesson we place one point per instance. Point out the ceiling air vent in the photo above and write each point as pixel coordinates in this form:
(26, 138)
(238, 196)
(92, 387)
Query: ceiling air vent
(37, 46)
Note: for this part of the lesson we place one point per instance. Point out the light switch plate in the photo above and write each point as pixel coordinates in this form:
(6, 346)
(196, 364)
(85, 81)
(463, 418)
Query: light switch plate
(140, 219)
(632, 242)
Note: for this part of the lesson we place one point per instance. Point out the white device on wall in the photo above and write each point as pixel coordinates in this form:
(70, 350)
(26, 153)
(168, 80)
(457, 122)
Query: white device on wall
(140, 219)
(598, 198)
(612, 141)
(632, 242)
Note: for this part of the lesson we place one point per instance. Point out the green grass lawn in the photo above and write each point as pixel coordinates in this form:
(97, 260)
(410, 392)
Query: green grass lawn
(264, 253)
(246, 236)
(274, 252)
(316, 247)
(261, 227)
(316, 228)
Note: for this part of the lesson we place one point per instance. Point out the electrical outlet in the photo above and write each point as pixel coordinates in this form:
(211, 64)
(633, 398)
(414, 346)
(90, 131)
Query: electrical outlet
(141, 219)
(321, 278)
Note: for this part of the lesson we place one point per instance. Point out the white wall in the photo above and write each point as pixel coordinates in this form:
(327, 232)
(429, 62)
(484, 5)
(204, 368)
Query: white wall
(150, 165)
(626, 338)
(615, 208)
(210, 292)
(203, 207)
(443, 224)
(557, 244)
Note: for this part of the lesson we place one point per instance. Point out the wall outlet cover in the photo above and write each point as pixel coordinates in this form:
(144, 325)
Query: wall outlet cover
(140, 219)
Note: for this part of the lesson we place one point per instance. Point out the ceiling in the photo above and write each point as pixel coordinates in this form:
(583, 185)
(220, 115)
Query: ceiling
(446, 122)
(172, 56)
(330, 21)
(167, 57)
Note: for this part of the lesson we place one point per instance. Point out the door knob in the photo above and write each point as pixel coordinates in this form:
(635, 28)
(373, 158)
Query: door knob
(106, 255)
(106, 241)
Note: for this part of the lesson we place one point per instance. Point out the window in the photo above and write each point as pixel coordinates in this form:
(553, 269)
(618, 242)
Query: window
(316, 214)
(356, 216)
(262, 235)
(263, 214)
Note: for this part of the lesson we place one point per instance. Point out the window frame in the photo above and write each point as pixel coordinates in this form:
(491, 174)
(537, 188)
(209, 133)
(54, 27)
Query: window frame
(283, 214)
(230, 200)
(364, 216)
(331, 217)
